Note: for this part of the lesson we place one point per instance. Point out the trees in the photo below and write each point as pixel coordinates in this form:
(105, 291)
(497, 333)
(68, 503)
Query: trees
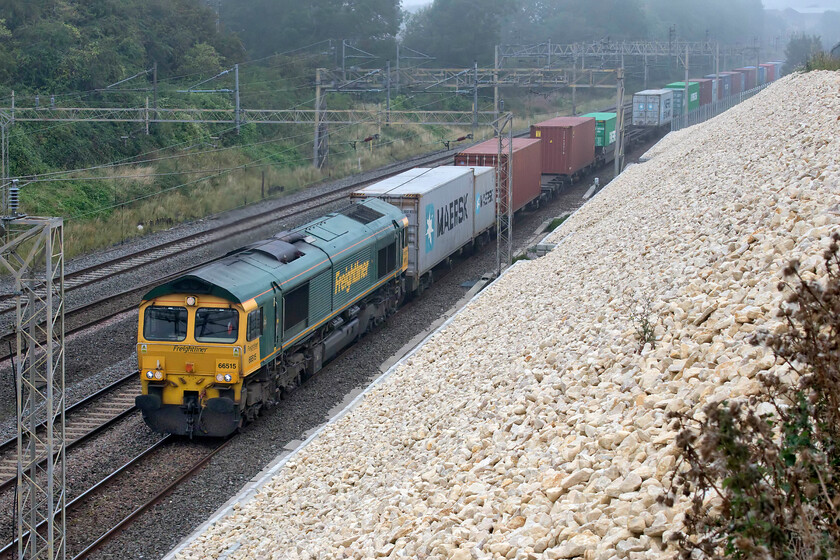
(60, 45)
(569, 21)
(799, 49)
(457, 32)
(271, 26)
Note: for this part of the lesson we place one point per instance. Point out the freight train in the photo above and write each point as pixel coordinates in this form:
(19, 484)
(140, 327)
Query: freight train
(223, 342)
(658, 107)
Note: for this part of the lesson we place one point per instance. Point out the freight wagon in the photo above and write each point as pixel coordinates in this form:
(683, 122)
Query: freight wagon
(568, 145)
(605, 136)
(750, 77)
(448, 209)
(653, 107)
(526, 166)
(707, 90)
(736, 82)
(679, 91)
(724, 84)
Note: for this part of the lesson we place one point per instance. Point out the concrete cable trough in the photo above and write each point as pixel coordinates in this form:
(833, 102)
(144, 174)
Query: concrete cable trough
(531, 425)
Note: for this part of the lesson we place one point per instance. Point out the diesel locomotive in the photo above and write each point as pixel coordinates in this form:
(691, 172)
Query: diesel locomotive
(221, 343)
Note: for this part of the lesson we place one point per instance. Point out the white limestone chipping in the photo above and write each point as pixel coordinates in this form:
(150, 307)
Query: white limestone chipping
(532, 427)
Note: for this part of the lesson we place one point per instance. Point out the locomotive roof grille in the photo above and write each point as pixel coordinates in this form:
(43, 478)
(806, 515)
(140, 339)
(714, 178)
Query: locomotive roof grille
(362, 213)
(277, 249)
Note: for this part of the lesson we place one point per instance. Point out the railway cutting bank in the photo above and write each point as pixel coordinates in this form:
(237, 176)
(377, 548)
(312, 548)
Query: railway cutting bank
(534, 424)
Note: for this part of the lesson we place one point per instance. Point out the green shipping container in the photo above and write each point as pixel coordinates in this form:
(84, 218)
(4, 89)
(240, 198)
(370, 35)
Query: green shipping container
(693, 96)
(604, 128)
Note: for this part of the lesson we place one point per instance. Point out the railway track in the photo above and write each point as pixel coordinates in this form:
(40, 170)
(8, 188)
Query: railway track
(87, 512)
(82, 422)
(130, 263)
(119, 265)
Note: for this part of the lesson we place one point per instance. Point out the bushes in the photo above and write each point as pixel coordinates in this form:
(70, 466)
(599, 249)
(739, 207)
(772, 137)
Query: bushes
(763, 476)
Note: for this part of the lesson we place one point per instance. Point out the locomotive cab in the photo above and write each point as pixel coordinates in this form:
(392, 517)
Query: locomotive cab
(192, 352)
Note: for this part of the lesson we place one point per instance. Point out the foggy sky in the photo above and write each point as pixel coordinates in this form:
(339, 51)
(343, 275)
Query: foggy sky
(799, 5)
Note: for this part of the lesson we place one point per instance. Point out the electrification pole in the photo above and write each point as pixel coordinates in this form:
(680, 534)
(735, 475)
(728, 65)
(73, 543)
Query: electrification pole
(475, 99)
(619, 123)
(238, 108)
(316, 152)
(388, 94)
(685, 96)
(32, 253)
(503, 128)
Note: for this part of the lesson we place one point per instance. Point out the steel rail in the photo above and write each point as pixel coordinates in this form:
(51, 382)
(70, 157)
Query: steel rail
(118, 528)
(9, 444)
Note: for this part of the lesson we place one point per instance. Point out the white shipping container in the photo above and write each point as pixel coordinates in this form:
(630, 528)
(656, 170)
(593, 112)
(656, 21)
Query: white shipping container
(653, 107)
(485, 199)
(439, 203)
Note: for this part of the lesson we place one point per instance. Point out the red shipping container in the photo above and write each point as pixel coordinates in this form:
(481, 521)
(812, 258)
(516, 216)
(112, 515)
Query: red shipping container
(737, 79)
(568, 144)
(706, 86)
(770, 70)
(750, 75)
(527, 163)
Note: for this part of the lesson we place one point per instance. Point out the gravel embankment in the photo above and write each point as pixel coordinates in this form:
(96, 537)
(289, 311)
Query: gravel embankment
(532, 427)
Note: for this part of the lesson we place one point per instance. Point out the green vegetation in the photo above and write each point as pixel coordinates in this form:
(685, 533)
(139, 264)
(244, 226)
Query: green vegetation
(822, 61)
(556, 223)
(371, 25)
(439, 29)
(799, 50)
(763, 476)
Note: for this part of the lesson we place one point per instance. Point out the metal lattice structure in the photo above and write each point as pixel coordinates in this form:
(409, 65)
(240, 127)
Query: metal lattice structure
(503, 128)
(465, 79)
(248, 116)
(33, 253)
(557, 52)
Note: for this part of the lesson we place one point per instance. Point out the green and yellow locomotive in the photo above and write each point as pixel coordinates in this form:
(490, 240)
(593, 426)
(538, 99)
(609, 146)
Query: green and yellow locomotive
(220, 343)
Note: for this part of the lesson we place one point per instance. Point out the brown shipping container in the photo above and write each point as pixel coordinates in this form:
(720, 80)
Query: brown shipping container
(527, 163)
(705, 90)
(770, 70)
(568, 144)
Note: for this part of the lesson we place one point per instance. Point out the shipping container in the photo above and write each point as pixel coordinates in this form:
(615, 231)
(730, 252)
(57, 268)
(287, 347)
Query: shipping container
(724, 84)
(527, 166)
(653, 107)
(568, 144)
(769, 72)
(484, 216)
(750, 76)
(736, 82)
(707, 90)
(778, 65)
(439, 204)
(604, 128)
(679, 91)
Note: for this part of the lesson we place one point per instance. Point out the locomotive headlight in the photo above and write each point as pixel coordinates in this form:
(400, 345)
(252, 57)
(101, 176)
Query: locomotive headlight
(150, 375)
(158, 375)
(228, 377)
(220, 377)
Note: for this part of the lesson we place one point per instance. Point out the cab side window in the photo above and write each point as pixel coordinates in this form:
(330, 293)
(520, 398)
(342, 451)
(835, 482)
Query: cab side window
(255, 322)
